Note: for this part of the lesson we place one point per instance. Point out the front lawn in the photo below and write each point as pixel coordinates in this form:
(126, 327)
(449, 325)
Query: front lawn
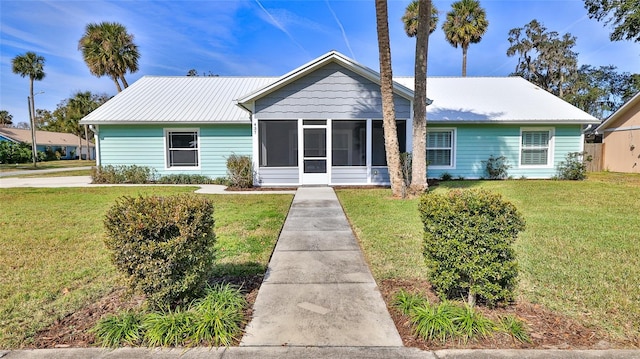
(578, 255)
(54, 261)
(46, 165)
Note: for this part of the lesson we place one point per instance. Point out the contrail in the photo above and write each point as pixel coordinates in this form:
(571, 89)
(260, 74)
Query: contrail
(344, 34)
(279, 26)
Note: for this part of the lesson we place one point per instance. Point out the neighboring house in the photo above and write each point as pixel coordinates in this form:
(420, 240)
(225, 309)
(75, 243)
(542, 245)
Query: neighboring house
(621, 138)
(65, 143)
(330, 109)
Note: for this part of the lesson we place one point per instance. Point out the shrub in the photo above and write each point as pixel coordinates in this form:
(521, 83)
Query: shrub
(240, 171)
(514, 327)
(163, 246)
(123, 174)
(496, 167)
(468, 236)
(11, 152)
(218, 316)
(122, 329)
(446, 176)
(574, 167)
(180, 178)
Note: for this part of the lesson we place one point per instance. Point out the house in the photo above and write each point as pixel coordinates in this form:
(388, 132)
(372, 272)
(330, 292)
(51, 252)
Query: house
(621, 138)
(322, 124)
(66, 144)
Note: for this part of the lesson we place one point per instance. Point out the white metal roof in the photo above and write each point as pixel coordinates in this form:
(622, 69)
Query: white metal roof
(213, 99)
(495, 99)
(184, 99)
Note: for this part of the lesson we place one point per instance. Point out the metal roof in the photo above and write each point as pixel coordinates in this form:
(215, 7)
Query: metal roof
(196, 100)
(495, 99)
(43, 138)
(184, 99)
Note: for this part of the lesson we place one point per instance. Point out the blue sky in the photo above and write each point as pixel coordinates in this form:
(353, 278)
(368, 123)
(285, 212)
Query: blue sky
(266, 38)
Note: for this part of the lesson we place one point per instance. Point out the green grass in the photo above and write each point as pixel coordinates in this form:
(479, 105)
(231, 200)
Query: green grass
(54, 261)
(46, 165)
(578, 255)
(52, 174)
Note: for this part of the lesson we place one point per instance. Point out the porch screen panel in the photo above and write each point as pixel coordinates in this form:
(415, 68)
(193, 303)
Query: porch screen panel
(278, 143)
(378, 153)
(349, 143)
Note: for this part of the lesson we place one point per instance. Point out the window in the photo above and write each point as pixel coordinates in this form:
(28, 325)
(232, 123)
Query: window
(378, 153)
(440, 148)
(278, 143)
(535, 147)
(182, 148)
(349, 142)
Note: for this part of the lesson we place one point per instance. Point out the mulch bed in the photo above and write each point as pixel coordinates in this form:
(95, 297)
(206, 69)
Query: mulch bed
(548, 330)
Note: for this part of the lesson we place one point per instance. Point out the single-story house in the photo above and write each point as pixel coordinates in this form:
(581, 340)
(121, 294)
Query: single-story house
(66, 144)
(621, 138)
(322, 124)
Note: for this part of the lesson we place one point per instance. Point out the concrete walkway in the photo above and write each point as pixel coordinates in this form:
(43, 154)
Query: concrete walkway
(318, 290)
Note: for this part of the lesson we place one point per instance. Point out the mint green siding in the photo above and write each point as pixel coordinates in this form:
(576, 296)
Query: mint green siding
(143, 145)
(476, 143)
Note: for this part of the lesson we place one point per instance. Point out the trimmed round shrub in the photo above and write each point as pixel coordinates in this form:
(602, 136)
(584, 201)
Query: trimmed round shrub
(468, 237)
(163, 246)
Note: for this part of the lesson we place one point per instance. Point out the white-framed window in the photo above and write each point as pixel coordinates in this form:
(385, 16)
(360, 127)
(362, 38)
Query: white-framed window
(441, 143)
(182, 148)
(536, 147)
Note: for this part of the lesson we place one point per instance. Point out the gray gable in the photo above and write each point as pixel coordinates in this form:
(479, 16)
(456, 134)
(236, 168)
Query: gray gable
(331, 91)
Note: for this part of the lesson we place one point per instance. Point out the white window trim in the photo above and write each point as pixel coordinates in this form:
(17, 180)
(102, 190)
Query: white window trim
(550, 151)
(166, 149)
(454, 145)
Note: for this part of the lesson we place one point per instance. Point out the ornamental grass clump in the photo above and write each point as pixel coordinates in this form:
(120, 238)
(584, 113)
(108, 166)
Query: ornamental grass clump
(163, 246)
(468, 237)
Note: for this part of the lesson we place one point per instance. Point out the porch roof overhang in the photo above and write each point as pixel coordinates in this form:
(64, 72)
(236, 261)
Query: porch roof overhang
(333, 56)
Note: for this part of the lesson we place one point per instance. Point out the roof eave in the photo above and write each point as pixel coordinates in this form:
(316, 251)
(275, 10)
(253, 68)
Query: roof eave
(171, 123)
(515, 122)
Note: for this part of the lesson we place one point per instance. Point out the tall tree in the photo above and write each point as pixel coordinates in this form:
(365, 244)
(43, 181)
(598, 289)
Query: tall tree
(6, 119)
(410, 19)
(422, 17)
(31, 65)
(109, 50)
(601, 90)
(544, 57)
(391, 145)
(465, 24)
(624, 14)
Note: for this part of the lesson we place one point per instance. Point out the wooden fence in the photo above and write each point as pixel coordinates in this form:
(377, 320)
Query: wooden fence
(595, 151)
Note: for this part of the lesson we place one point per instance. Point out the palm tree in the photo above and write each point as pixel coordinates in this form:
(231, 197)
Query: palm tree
(391, 145)
(465, 24)
(6, 118)
(109, 50)
(30, 65)
(410, 19)
(418, 23)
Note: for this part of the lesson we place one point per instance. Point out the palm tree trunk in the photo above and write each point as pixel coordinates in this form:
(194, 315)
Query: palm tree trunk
(388, 109)
(419, 151)
(464, 60)
(125, 84)
(115, 79)
(32, 119)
